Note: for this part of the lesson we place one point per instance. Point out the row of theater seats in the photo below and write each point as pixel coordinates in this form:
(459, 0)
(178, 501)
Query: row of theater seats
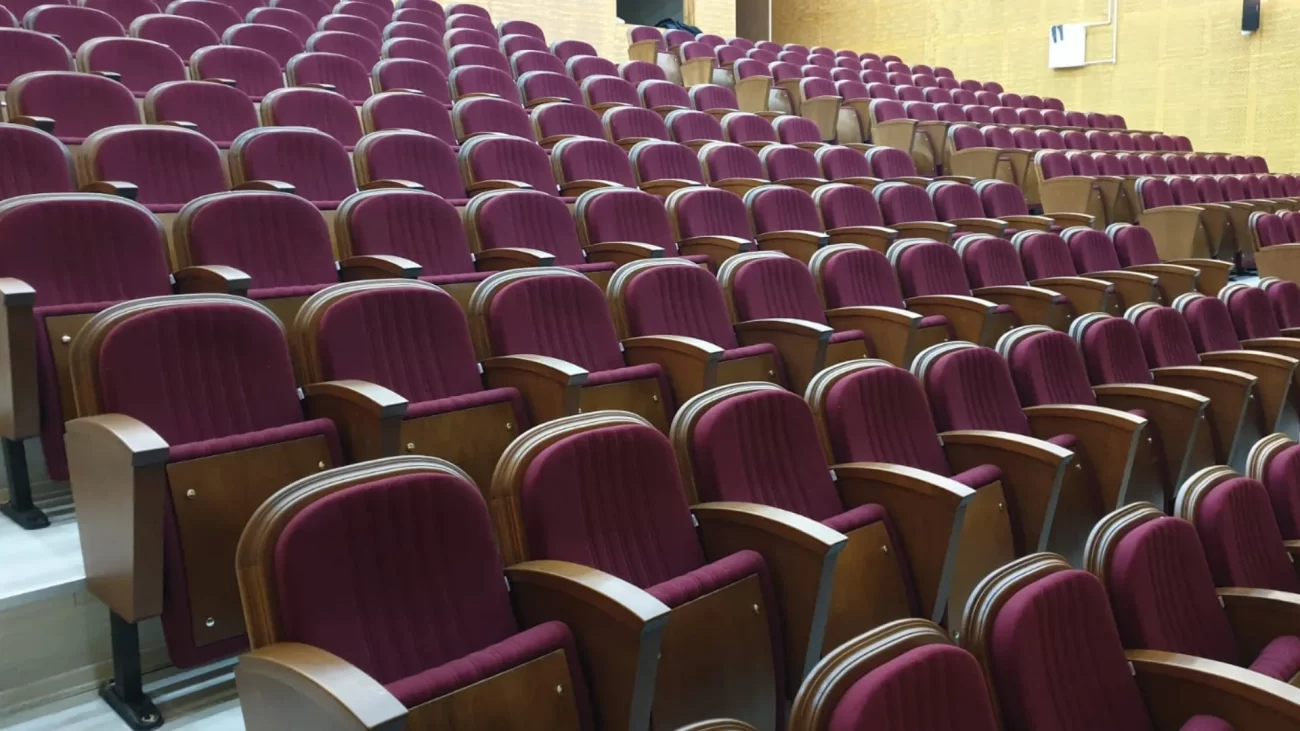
(814, 520)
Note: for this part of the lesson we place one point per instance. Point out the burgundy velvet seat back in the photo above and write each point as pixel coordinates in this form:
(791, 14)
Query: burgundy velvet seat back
(929, 267)
(416, 48)
(585, 66)
(1240, 536)
(1184, 190)
(401, 154)
(781, 208)
(400, 110)
(124, 11)
(972, 389)
(412, 224)
(678, 300)
(844, 205)
(901, 203)
(657, 93)
(508, 158)
(320, 109)
(762, 447)
(1252, 315)
(707, 97)
(1056, 660)
(557, 119)
(626, 214)
(1269, 229)
(255, 72)
(1162, 593)
(889, 697)
(1048, 369)
(221, 113)
(142, 64)
(78, 103)
(1284, 298)
(1113, 352)
(25, 51)
(1053, 164)
(880, 415)
(539, 84)
(742, 127)
(171, 166)
(72, 24)
(414, 340)
(410, 73)
(838, 163)
(1044, 255)
(582, 158)
(521, 62)
(990, 261)
(859, 277)
(888, 162)
(777, 286)
(1166, 337)
(634, 122)
(467, 80)
(955, 200)
(691, 126)
(634, 72)
(279, 239)
(478, 56)
(560, 316)
(1210, 323)
(602, 89)
(528, 218)
(1133, 244)
(1001, 199)
(279, 43)
(314, 163)
(710, 212)
(1091, 250)
(645, 537)
(481, 115)
(182, 35)
(32, 161)
(724, 160)
(665, 160)
(1083, 163)
(999, 137)
(347, 75)
(794, 130)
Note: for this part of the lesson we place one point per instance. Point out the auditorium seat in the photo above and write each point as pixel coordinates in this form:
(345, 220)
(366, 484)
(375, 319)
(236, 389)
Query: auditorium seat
(144, 422)
(332, 72)
(758, 652)
(960, 205)
(752, 83)
(933, 281)
(216, 15)
(475, 55)
(851, 215)
(478, 116)
(124, 11)
(413, 338)
(182, 35)
(625, 214)
(1005, 201)
(547, 331)
(544, 87)
(846, 165)
(602, 93)
(291, 20)
(313, 9)
(513, 44)
(278, 43)
(1137, 250)
(968, 154)
(467, 20)
(32, 161)
(645, 43)
(1209, 236)
(138, 64)
(1095, 256)
(1112, 349)
(1271, 246)
(662, 167)
(416, 48)
(378, 15)
(1088, 679)
(731, 167)
(1181, 611)
(471, 81)
(353, 24)
(634, 72)
(70, 105)
(25, 51)
(581, 164)
(409, 25)
(995, 272)
(581, 67)
(663, 97)
(1172, 444)
(908, 210)
(630, 126)
(1061, 190)
(73, 25)
(320, 109)
(557, 121)
(791, 166)
(409, 74)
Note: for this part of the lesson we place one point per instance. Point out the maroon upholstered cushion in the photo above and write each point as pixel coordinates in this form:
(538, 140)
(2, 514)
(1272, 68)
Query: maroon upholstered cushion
(78, 103)
(24, 51)
(1211, 324)
(1048, 369)
(169, 165)
(1206, 723)
(32, 161)
(972, 389)
(532, 219)
(1166, 338)
(350, 77)
(979, 476)
(708, 212)
(183, 35)
(775, 287)
(1280, 659)
(1112, 350)
(781, 208)
(1252, 315)
(313, 162)
(419, 112)
(678, 301)
(627, 214)
(569, 120)
(255, 71)
(900, 695)
(955, 200)
(880, 415)
(860, 277)
(73, 25)
(412, 73)
(503, 158)
(280, 240)
(221, 112)
(280, 42)
(411, 224)
(402, 154)
(927, 268)
(1044, 255)
(848, 205)
(726, 160)
(1283, 482)
(990, 261)
(561, 316)
(593, 159)
(143, 64)
(1241, 539)
(900, 202)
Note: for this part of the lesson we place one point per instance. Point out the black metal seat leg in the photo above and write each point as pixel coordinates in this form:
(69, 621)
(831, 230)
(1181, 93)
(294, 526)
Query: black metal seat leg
(125, 692)
(20, 508)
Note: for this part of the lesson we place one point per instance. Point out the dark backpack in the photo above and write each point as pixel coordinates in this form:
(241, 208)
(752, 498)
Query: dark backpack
(670, 24)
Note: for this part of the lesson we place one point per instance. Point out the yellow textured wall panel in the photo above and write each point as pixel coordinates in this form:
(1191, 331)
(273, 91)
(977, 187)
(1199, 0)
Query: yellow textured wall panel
(1183, 65)
(711, 16)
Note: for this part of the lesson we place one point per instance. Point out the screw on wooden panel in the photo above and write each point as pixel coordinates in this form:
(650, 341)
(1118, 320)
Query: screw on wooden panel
(410, 446)
(190, 494)
(66, 339)
(579, 411)
(210, 622)
(884, 548)
(1001, 508)
(755, 609)
(772, 373)
(559, 690)
(509, 426)
(654, 397)
(320, 464)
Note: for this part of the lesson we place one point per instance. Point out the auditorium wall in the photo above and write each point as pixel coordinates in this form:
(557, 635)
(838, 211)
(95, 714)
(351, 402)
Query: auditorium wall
(1183, 65)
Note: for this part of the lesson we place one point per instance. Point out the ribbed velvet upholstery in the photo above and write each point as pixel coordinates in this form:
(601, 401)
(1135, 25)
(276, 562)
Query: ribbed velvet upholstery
(523, 61)
(32, 162)
(779, 208)
(954, 200)
(1091, 250)
(990, 262)
(1242, 543)
(634, 72)
(561, 316)
(1269, 229)
(409, 525)
(794, 130)
(469, 37)
(656, 94)
(887, 162)
(931, 268)
(848, 205)
(531, 219)
(995, 136)
(972, 389)
(570, 120)
(682, 301)
(279, 240)
(1134, 244)
(513, 44)
(786, 162)
(255, 72)
(634, 122)
(482, 80)
(403, 111)
(602, 89)
(478, 56)
(1113, 353)
(964, 138)
(313, 9)
(901, 203)
(838, 163)
(504, 158)
(79, 103)
(931, 688)
(1056, 660)
(712, 212)
(776, 287)
(412, 224)
(667, 160)
(405, 155)
(317, 108)
(377, 15)
(180, 34)
(221, 112)
(355, 25)
(1284, 298)
(742, 127)
(593, 159)
(123, 11)
(143, 64)
(1162, 593)
(1206, 723)
(861, 277)
(1054, 164)
(411, 73)
(880, 415)
(72, 24)
(24, 51)
(1048, 369)
(726, 160)
(262, 34)
(421, 49)
(350, 77)
(316, 164)
(1081, 162)
(480, 115)
(1154, 193)
(539, 84)
(171, 166)
(707, 97)
(1044, 255)
(881, 90)
(1025, 138)
(1252, 315)
(1211, 325)
(1282, 478)
(583, 66)
(1031, 116)
(628, 214)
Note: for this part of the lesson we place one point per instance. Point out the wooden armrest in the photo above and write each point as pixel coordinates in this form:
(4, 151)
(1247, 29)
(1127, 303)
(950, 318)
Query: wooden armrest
(872, 237)
(800, 555)
(622, 252)
(115, 76)
(799, 245)
(182, 124)
(1259, 616)
(928, 512)
(1130, 287)
(807, 185)
(44, 124)
(290, 684)
(990, 226)
(1032, 305)
(20, 414)
(1177, 416)
(963, 179)
(578, 187)
(1033, 472)
(916, 180)
(1290, 347)
(690, 364)
(368, 416)
(119, 188)
(223, 82)
(1066, 220)
(967, 315)
(278, 186)
(320, 85)
(1107, 441)
(483, 185)
(118, 472)
(538, 101)
(1230, 393)
(739, 186)
(937, 230)
(616, 627)
(1175, 687)
(1085, 294)
(378, 266)
(549, 386)
(378, 184)
(717, 248)
(802, 344)
(664, 186)
(512, 257)
(1030, 223)
(889, 329)
(217, 278)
